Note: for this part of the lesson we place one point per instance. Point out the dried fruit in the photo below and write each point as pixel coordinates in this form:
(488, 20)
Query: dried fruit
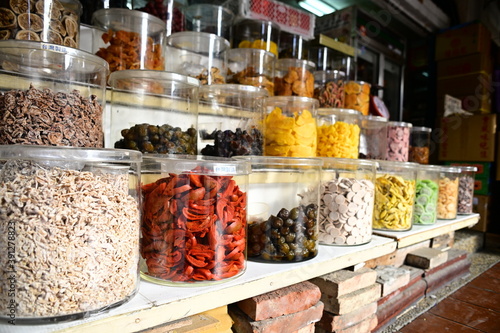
(52, 37)
(55, 9)
(27, 35)
(71, 26)
(5, 34)
(7, 19)
(21, 6)
(30, 21)
(68, 41)
(58, 27)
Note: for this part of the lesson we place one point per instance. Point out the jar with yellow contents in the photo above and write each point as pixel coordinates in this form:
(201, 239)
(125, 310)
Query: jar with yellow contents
(256, 34)
(338, 133)
(290, 127)
(357, 96)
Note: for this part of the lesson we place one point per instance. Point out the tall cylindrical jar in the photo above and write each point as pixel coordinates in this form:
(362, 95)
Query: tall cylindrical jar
(283, 208)
(394, 195)
(168, 119)
(338, 133)
(169, 11)
(398, 141)
(466, 189)
(420, 142)
(75, 240)
(290, 126)
(373, 138)
(329, 88)
(347, 197)
(448, 193)
(210, 18)
(256, 34)
(198, 54)
(129, 39)
(357, 96)
(194, 222)
(51, 96)
(426, 195)
(230, 120)
(294, 77)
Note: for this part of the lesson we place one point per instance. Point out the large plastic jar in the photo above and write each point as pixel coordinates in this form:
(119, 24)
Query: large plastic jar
(198, 54)
(329, 88)
(294, 77)
(398, 141)
(466, 189)
(426, 195)
(357, 96)
(51, 95)
(129, 39)
(194, 221)
(169, 11)
(168, 119)
(209, 18)
(373, 140)
(256, 34)
(75, 242)
(448, 193)
(420, 142)
(230, 120)
(290, 126)
(338, 133)
(252, 67)
(347, 198)
(283, 208)
(394, 195)
(50, 21)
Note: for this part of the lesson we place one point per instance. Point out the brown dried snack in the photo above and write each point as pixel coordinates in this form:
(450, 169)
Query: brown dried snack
(30, 21)
(68, 41)
(55, 9)
(27, 35)
(71, 26)
(5, 34)
(296, 82)
(52, 37)
(58, 27)
(7, 19)
(21, 6)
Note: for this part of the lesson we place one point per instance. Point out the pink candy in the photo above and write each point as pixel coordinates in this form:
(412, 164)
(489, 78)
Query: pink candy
(398, 141)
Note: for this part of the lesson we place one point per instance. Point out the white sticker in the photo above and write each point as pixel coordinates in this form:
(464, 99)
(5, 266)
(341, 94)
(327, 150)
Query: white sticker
(225, 169)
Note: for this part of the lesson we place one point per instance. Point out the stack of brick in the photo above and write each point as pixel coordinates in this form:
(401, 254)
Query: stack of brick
(293, 309)
(350, 301)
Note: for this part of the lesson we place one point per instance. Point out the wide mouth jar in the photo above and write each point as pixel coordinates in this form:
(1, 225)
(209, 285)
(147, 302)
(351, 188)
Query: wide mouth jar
(426, 195)
(448, 193)
(294, 77)
(466, 189)
(338, 132)
(373, 137)
(398, 141)
(420, 141)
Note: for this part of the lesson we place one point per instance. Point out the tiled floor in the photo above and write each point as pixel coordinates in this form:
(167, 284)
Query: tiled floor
(473, 308)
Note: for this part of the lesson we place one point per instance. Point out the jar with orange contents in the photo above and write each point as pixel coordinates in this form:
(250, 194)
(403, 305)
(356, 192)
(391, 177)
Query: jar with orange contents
(256, 34)
(357, 96)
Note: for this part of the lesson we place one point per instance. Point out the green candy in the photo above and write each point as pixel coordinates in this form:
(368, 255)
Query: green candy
(424, 210)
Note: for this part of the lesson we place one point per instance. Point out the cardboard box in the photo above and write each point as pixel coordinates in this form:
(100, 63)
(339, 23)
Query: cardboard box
(463, 40)
(482, 186)
(466, 138)
(482, 205)
(469, 64)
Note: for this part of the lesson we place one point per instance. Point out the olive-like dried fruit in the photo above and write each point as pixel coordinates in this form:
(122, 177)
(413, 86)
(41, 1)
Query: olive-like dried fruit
(27, 35)
(276, 222)
(30, 21)
(283, 213)
(294, 213)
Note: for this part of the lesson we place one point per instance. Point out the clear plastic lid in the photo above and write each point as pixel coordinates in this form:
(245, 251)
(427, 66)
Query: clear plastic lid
(399, 124)
(199, 42)
(206, 165)
(150, 75)
(127, 20)
(421, 129)
(339, 111)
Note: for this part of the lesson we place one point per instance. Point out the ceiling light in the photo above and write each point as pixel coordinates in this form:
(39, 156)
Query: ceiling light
(317, 7)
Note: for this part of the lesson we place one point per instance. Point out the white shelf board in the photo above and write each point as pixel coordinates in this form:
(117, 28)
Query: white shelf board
(420, 233)
(155, 304)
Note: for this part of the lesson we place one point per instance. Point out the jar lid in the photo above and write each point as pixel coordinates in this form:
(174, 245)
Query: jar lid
(336, 161)
(397, 165)
(230, 89)
(198, 41)
(466, 168)
(127, 19)
(290, 101)
(328, 74)
(450, 169)
(206, 165)
(236, 54)
(151, 75)
(421, 129)
(375, 118)
(255, 161)
(338, 111)
(399, 124)
(286, 63)
(429, 167)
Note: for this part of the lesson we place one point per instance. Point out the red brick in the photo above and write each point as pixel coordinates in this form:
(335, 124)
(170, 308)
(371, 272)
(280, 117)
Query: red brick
(426, 258)
(352, 301)
(365, 326)
(331, 322)
(344, 282)
(392, 278)
(295, 298)
(307, 329)
(287, 323)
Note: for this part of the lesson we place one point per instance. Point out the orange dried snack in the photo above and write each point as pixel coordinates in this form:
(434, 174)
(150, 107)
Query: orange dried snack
(357, 96)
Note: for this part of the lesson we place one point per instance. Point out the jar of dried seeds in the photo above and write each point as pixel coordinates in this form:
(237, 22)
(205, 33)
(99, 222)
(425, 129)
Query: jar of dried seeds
(448, 193)
(466, 189)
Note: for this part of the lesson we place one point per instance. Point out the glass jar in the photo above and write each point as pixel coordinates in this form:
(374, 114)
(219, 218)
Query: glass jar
(398, 141)
(394, 195)
(252, 67)
(209, 18)
(168, 121)
(448, 193)
(129, 39)
(466, 189)
(292, 46)
(426, 195)
(50, 21)
(283, 208)
(256, 34)
(205, 241)
(338, 133)
(290, 127)
(329, 88)
(420, 142)
(347, 197)
(294, 77)
(76, 240)
(230, 120)
(169, 11)
(198, 54)
(357, 96)
(39, 76)
(373, 138)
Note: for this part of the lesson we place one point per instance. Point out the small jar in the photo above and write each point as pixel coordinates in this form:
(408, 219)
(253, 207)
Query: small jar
(420, 142)
(56, 95)
(168, 11)
(357, 96)
(252, 67)
(347, 197)
(205, 238)
(129, 39)
(209, 18)
(76, 239)
(338, 133)
(329, 88)
(398, 141)
(198, 54)
(466, 189)
(50, 21)
(448, 193)
(230, 120)
(283, 208)
(290, 127)
(426, 195)
(167, 123)
(294, 77)
(394, 196)
(256, 34)
(373, 138)
(292, 46)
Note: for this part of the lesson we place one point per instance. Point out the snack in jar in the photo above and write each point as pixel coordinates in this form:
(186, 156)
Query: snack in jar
(338, 132)
(294, 77)
(357, 96)
(426, 195)
(256, 34)
(448, 193)
(466, 189)
(329, 88)
(398, 141)
(420, 141)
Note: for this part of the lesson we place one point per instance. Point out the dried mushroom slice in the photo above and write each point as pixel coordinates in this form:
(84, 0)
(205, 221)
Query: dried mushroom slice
(52, 37)
(68, 41)
(21, 6)
(27, 35)
(55, 11)
(7, 19)
(30, 21)
(71, 26)
(58, 27)
(5, 34)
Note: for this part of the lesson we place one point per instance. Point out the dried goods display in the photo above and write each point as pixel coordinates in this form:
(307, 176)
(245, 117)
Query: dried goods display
(164, 139)
(194, 228)
(340, 139)
(419, 154)
(357, 96)
(426, 195)
(330, 94)
(45, 117)
(234, 143)
(76, 239)
(296, 82)
(249, 76)
(448, 198)
(398, 141)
